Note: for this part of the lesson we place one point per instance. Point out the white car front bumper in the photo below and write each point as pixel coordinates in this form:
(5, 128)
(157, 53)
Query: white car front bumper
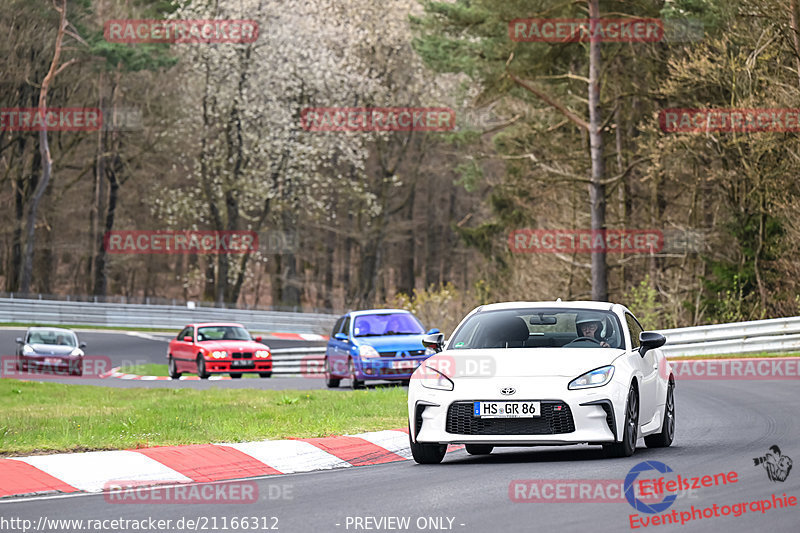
(565, 416)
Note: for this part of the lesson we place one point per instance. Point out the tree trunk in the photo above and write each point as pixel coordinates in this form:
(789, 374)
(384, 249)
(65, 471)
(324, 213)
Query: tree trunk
(796, 36)
(407, 248)
(597, 190)
(44, 149)
(23, 185)
(100, 270)
(330, 248)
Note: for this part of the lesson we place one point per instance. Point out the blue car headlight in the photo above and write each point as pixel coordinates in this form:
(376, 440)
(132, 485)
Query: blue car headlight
(594, 378)
(366, 351)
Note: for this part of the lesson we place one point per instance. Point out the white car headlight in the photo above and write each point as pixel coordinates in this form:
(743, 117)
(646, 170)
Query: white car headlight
(27, 349)
(262, 354)
(594, 378)
(366, 351)
(433, 379)
(219, 355)
(430, 351)
(76, 351)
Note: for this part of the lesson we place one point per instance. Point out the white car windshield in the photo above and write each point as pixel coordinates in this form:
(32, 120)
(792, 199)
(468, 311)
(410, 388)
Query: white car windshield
(539, 328)
(58, 338)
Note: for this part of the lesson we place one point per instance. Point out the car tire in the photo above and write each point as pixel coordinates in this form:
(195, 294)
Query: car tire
(330, 381)
(265, 374)
(202, 373)
(479, 449)
(236, 375)
(427, 454)
(173, 368)
(355, 384)
(78, 371)
(664, 438)
(630, 431)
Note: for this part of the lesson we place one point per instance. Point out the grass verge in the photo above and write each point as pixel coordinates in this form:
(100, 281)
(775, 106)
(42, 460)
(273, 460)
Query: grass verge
(150, 369)
(51, 417)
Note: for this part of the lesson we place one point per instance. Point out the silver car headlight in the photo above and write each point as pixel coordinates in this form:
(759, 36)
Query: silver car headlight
(433, 379)
(76, 352)
(594, 378)
(27, 349)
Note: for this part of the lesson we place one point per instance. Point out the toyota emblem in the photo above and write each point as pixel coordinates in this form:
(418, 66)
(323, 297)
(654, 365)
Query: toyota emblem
(508, 391)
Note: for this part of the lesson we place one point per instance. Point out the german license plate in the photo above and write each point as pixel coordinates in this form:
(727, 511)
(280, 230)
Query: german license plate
(507, 409)
(242, 364)
(405, 365)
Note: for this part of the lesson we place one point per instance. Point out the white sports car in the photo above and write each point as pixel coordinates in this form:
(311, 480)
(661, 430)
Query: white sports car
(542, 373)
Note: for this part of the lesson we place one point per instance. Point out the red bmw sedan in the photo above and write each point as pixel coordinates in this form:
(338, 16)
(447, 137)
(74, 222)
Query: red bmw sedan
(218, 348)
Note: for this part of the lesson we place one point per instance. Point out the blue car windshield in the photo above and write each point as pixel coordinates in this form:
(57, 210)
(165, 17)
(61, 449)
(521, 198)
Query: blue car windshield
(539, 328)
(386, 324)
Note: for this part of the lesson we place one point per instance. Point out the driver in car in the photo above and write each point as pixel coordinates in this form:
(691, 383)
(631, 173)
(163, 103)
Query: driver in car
(590, 327)
(393, 328)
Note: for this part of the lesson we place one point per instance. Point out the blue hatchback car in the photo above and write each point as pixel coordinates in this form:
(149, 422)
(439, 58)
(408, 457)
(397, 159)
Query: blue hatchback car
(383, 344)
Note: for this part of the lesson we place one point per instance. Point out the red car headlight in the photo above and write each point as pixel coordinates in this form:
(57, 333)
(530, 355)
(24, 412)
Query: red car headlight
(262, 354)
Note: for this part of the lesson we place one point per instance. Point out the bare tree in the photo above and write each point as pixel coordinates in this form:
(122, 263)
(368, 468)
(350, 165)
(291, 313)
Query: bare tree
(44, 148)
(597, 189)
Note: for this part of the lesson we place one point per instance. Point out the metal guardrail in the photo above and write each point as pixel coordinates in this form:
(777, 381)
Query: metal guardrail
(303, 361)
(779, 335)
(157, 316)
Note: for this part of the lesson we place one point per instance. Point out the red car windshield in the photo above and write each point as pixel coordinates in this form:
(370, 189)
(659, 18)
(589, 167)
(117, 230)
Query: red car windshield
(222, 333)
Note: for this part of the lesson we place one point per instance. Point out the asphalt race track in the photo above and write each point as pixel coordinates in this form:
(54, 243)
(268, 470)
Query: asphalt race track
(721, 427)
(133, 348)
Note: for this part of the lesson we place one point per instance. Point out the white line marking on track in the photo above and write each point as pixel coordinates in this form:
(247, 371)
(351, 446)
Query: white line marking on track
(392, 440)
(91, 471)
(289, 456)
